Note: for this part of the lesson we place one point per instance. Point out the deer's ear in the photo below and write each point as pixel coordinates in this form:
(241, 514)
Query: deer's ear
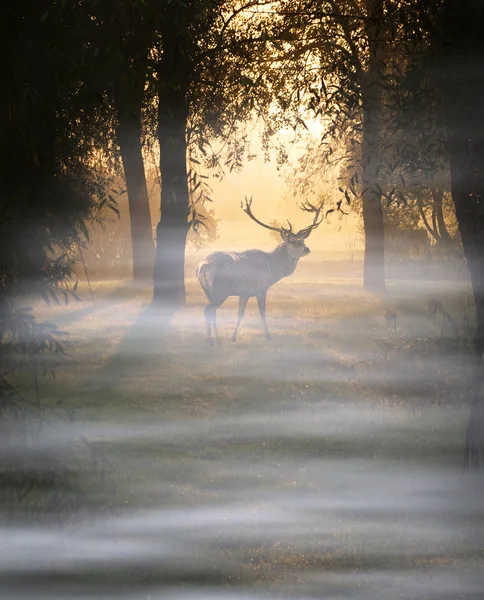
(305, 234)
(284, 236)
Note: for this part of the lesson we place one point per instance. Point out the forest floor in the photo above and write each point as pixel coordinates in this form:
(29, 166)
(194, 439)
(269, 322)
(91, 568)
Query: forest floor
(326, 462)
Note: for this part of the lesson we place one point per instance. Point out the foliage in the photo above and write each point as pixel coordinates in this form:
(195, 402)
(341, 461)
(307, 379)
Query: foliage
(51, 184)
(275, 235)
(51, 180)
(207, 233)
(35, 482)
(413, 176)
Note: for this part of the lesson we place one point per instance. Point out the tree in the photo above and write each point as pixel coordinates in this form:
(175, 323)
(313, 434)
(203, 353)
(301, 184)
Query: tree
(446, 69)
(50, 185)
(175, 72)
(115, 63)
(50, 181)
(351, 43)
(128, 92)
(200, 61)
(459, 60)
(371, 84)
(450, 54)
(363, 56)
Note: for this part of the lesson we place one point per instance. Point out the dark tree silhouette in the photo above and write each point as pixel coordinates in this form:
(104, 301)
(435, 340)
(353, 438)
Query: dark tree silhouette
(460, 65)
(114, 58)
(203, 93)
(49, 182)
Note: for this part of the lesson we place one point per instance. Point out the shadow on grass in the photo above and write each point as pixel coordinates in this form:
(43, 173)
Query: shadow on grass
(141, 346)
(114, 298)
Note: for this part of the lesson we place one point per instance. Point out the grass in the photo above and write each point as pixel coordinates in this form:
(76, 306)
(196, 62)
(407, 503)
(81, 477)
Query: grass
(345, 442)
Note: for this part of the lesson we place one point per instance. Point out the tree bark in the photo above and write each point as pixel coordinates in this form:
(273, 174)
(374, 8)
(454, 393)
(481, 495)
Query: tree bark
(371, 94)
(130, 50)
(470, 216)
(129, 140)
(463, 79)
(471, 229)
(172, 230)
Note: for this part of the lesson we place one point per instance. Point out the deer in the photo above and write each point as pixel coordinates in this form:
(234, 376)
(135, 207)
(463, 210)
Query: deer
(253, 272)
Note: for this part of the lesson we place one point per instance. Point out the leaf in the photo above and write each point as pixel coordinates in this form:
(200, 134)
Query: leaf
(45, 297)
(82, 226)
(302, 123)
(53, 295)
(338, 205)
(115, 209)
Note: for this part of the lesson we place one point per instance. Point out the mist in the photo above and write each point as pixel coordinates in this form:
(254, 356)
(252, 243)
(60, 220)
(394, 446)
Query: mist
(242, 300)
(313, 465)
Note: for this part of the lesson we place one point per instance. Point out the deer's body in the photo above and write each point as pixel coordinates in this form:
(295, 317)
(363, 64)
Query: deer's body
(249, 274)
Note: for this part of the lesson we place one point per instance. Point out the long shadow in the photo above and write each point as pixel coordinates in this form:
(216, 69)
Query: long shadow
(141, 345)
(114, 298)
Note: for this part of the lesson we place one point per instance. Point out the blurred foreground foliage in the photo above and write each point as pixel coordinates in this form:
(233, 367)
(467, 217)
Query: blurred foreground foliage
(51, 185)
(45, 462)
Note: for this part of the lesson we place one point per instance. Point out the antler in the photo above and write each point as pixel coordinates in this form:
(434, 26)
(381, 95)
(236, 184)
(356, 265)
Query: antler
(308, 207)
(247, 209)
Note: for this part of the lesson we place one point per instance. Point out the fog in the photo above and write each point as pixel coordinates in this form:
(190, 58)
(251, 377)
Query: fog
(142, 458)
(257, 469)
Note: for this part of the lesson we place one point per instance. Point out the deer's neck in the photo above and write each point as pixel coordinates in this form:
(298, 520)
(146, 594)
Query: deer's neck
(282, 264)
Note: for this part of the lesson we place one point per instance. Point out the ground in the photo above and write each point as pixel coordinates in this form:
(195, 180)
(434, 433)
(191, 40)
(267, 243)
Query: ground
(326, 462)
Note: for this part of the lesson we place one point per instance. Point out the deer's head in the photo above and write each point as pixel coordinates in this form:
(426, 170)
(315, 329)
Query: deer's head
(293, 240)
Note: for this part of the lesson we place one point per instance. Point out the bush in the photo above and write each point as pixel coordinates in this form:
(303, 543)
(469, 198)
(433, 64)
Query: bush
(39, 479)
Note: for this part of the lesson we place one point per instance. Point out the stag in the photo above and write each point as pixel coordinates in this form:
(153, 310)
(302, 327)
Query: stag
(252, 273)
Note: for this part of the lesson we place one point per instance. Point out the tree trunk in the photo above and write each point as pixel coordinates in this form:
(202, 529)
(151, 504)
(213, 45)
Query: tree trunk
(169, 276)
(463, 91)
(371, 93)
(471, 229)
(474, 447)
(443, 235)
(423, 216)
(470, 216)
(172, 230)
(129, 140)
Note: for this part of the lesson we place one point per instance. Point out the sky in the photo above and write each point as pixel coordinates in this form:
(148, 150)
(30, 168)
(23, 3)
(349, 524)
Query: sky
(273, 198)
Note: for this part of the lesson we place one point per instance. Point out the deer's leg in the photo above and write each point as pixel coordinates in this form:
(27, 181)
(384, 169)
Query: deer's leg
(208, 322)
(211, 321)
(214, 323)
(261, 301)
(242, 304)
